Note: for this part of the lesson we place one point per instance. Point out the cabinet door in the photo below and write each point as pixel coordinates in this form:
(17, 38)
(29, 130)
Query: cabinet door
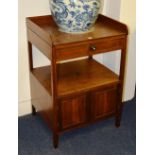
(103, 103)
(72, 112)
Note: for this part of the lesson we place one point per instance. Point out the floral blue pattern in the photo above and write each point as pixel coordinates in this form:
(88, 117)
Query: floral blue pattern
(75, 15)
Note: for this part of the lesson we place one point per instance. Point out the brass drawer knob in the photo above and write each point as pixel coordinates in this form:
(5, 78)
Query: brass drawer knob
(93, 48)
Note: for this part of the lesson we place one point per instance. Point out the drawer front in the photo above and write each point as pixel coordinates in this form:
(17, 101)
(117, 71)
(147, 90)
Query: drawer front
(103, 103)
(89, 48)
(70, 52)
(72, 112)
(105, 46)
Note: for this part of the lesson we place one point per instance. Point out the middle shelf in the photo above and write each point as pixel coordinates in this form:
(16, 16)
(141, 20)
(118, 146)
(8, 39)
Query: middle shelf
(76, 76)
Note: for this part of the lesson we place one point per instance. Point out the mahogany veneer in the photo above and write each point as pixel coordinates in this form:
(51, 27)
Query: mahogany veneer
(73, 94)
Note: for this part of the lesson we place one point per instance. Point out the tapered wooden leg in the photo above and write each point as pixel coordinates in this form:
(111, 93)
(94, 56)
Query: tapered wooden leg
(118, 115)
(120, 87)
(117, 122)
(55, 140)
(33, 110)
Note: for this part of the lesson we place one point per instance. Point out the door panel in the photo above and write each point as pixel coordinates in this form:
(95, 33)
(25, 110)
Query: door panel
(104, 103)
(73, 112)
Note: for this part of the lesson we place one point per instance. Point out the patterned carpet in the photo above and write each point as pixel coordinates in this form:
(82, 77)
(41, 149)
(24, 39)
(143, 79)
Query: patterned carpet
(98, 139)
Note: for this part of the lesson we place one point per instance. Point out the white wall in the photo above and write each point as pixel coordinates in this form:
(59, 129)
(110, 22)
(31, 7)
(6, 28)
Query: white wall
(112, 59)
(118, 9)
(128, 16)
(27, 8)
(125, 11)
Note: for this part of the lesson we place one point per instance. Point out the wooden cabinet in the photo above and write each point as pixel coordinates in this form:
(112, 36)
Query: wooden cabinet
(78, 92)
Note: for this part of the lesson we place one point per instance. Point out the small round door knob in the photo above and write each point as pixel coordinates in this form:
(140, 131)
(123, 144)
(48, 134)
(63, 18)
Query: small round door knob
(93, 48)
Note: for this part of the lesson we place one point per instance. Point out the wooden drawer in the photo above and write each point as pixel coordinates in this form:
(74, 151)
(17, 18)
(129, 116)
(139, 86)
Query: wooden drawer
(72, 112)
(73, 51)
(101, 46)
(89, 48)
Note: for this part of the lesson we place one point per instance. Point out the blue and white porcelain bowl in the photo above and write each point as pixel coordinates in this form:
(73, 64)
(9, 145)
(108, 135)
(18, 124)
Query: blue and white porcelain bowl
(74, 16)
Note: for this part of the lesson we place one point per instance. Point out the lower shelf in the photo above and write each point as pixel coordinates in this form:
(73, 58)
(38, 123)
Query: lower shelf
(76, 77)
